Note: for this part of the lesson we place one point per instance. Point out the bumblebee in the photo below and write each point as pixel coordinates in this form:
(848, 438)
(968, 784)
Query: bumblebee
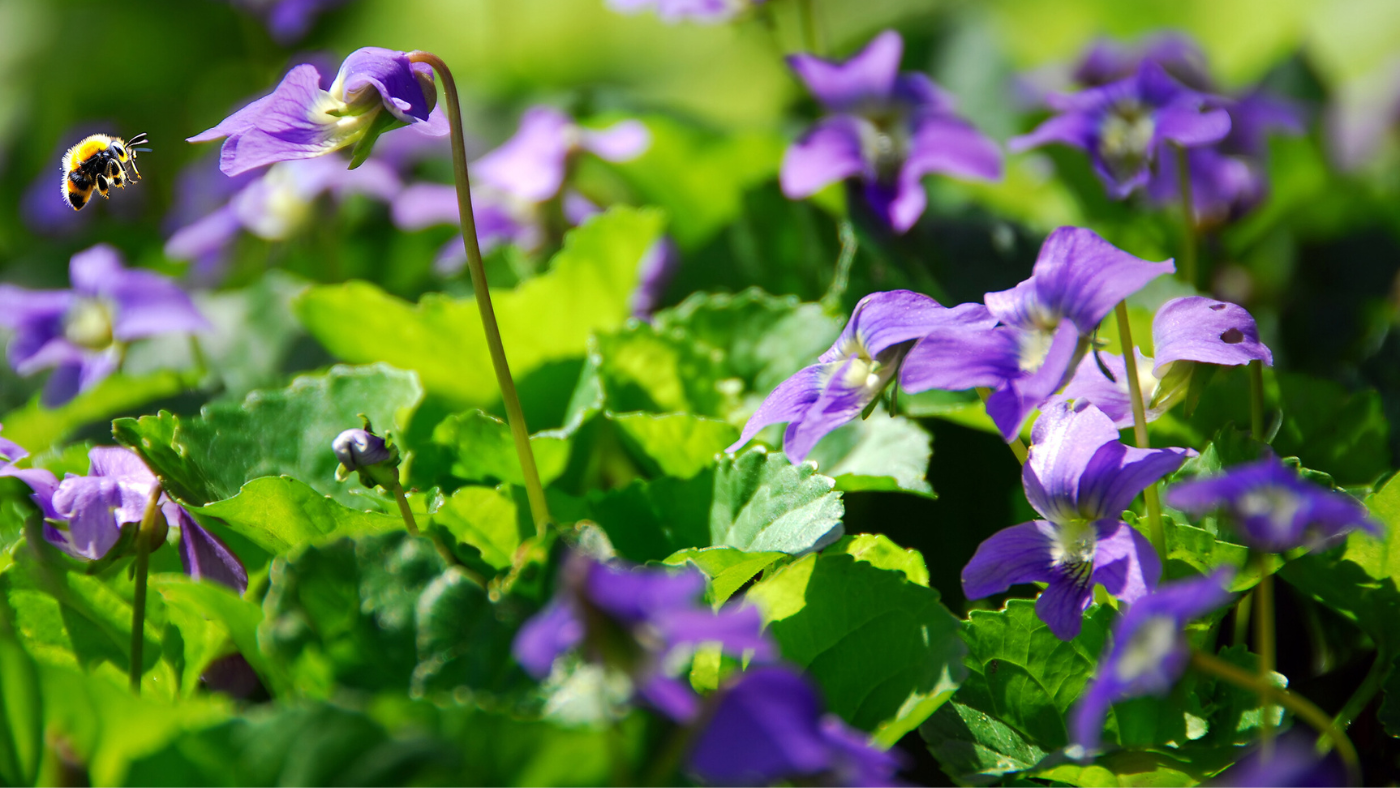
(99, 162)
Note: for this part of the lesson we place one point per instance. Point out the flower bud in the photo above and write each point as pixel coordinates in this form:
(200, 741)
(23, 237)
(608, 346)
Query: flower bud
(361, 451)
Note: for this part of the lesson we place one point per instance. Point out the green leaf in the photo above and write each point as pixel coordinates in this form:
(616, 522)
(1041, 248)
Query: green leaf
(1194, 551)
(37, 428)
(1389, 712)
(21, 712)
(464, 639)
(278, 513)
(1024, 676)
(588, 288)
(1140, 768)
(975, 748)
(679, 445)
(486, 519)
(254, 332)
(728, 569)
(885, 651)
(1359, 578)
(238, 617)
(700, 176)
(881, 551)
(762, 502)
(1333, 430)
(643, 369)
(281, 431)
(648, 521)
(877, 453)
(483, 451)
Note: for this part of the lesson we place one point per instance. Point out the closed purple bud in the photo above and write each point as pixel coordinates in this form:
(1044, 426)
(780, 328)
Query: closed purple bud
(358, 448)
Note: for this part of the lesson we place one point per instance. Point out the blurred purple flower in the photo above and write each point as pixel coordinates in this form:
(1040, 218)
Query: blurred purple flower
(299, 120)
(1177, 53)
(42, 483)
(1149, 650)
(1028, 340)
(1275, 510)
(114, 494)
(887, 128)
(671, 11)
(655, 271)
(1080, 478)
(1126, 126)
(511, 184)
(1110, 395)
(80, 332)
(852, 373)
(1294, 761)
(633, 619)
(769, 727)
(1363, 113)
(287, 21)
(272, 205)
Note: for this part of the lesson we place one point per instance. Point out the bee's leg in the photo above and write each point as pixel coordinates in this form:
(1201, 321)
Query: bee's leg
(102, 184)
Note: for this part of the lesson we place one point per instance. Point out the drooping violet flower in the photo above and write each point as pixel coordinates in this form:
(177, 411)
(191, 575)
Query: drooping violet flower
(287, 21)
(672, 11)
(887, 129)
(1080, 478)
(852, 373)
(80, 332)
(1275, 510)
(1028, 340)
(512, 183)
(114, 494)
(1199, 330)
(769, 726)
(1294, 761)
(1149, 650)
(1127, 126)
(1110, 394)
(633, 619)
(299, 120)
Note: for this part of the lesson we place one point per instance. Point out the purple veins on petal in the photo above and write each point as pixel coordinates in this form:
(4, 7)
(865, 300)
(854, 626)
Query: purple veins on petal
(884, 128)
(1273, 508)
(769, 726)
(1197, 328)
(848, 376)
(1149, 649)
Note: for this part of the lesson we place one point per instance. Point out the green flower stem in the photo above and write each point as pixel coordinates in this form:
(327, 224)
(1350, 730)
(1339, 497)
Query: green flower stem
(1300, 706)
(841, 278)
(1017, 447)
(515, 415)
(806, 10)
(1242, 610)
(1359, 700)
(1149, 495)
(402, 500)
(411, 525)
(138, 600)
(1264, 644)
(1188, 219)
(1256, 399)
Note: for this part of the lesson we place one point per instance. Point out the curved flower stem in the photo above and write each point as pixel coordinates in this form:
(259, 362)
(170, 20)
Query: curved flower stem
(411, 525)
(408, 521)
(1256, 399)
(1242, 611)
(1149, 494)
(841, 278)
(1359, 700)
(138, 600)
(515, 415)
(1264, 644)
(1300, 706)
(1188, 218)
(1017, 447)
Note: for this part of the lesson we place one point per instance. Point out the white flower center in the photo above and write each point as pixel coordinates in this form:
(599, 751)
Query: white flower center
(1035, 346)
(1075, 542)
(88, 324)
(884, 142)
(1278, 505)
(1149, 645)
(1125, 137)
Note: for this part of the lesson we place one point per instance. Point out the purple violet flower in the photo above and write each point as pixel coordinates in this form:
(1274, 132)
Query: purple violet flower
(672, 11)
(299, 120)
(1080, 478)
(1200, 330)
(1275, 510)
(887, 128)
(1177, 53)
(1293, 762)
(1110, 395)
(1028, 340)
(41, 482)
(500, 219)
(633, 619)
(655, 272)
(114, 494)
(80, 332)
(1126, 125)
(852, 373)
(768, 726)
(1149, 650)
(287, 21)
